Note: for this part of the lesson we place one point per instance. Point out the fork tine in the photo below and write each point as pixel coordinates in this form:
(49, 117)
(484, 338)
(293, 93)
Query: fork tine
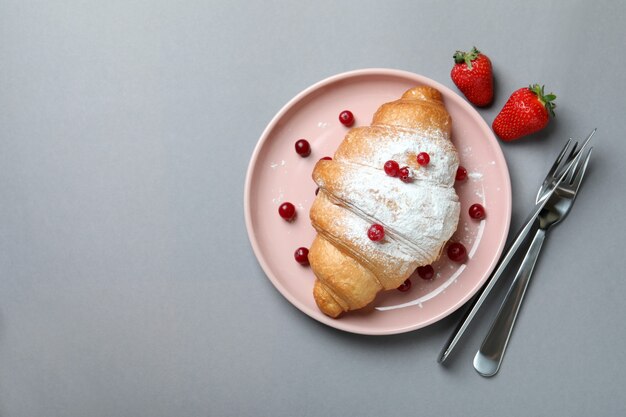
(576, 149)
(572, 155)
(579, 174)
(577, 166)
(561, 163)
(593, 132)
(559, 159)
(573, 151)
(552, 173)
(575, 154)
(576, 157)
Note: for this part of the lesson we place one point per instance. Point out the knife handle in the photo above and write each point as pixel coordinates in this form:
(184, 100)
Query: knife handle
(489, 357)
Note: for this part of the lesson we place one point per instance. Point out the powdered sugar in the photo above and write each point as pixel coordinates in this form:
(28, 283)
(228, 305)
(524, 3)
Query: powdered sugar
(391, 249)
(379, 144)
(279, 198)
(419, 217)
(282, 163)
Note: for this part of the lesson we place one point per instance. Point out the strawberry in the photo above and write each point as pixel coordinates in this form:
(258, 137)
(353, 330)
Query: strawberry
(527, 111)
(473, 75)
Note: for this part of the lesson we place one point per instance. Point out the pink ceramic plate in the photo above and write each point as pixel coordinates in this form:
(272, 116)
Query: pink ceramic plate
(277, 174)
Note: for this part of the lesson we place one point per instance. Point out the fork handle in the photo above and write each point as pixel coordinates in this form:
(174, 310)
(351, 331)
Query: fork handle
(489, 357)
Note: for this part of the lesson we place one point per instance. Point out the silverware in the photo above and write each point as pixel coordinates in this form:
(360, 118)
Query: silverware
(557, 173)
(489, 357)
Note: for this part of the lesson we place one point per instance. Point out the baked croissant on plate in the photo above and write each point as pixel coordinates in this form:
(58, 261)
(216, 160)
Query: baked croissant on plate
(418, 216)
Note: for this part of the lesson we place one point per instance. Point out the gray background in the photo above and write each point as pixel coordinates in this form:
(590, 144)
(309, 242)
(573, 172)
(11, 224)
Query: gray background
(128, 286)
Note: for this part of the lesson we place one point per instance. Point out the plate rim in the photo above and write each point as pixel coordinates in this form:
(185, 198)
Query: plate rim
(335, 323)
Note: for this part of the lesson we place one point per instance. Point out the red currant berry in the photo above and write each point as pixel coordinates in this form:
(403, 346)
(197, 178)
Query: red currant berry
(346, 118)
(405, 174)
(477, 211)
(376, 233)
(426, 272)
(326, 158)
(423, 158)
(287, 211)
(392, 168)
(457, 252)
(461, 174)
(303, 148)
(302, 256)
(405, 286)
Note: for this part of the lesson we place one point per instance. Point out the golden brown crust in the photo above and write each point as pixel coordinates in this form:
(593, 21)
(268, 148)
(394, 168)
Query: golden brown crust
(325, 301)
(336, 271)
(349, 273)
(419, 108)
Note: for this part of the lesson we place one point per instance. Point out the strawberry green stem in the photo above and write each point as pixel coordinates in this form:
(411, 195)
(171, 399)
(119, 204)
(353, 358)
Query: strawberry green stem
(546, 99)
(467, 57)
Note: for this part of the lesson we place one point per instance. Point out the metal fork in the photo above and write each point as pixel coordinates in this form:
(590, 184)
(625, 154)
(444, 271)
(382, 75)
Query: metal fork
(489, 357)
(557, 168)
(557, 172)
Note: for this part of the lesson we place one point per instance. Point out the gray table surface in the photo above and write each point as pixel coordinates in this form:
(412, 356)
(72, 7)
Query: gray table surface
(128, 286)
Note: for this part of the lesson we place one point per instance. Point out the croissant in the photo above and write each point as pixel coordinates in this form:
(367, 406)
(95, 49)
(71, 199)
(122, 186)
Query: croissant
(418, 217)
